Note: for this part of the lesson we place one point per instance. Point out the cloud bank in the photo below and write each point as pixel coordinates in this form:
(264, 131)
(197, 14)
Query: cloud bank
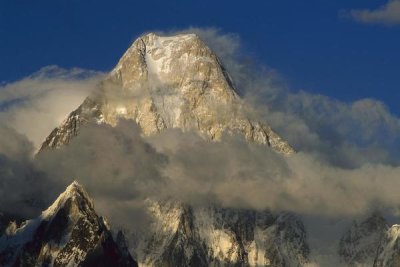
(388, 14)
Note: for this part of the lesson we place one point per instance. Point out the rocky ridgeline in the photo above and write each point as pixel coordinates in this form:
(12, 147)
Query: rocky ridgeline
(169, 82)
(68, 233)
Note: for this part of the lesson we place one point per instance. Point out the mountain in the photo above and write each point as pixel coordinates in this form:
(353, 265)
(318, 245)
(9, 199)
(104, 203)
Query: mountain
(213, 236)
(359, 244)
(169, 82)
(165, 82)
(68, 233)
(178, 82)
(389, 250)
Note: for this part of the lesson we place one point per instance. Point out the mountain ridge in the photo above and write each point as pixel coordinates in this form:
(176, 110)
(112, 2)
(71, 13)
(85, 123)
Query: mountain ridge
(165, 82)
(169, 82)
(68, 233)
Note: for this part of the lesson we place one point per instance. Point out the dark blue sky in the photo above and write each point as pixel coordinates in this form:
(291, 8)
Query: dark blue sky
(306, 41)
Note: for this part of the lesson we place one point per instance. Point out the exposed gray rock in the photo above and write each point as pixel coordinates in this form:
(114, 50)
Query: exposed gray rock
(186, 236)
(68, 233)
(389, 250)
(169, 82)
(359, 245)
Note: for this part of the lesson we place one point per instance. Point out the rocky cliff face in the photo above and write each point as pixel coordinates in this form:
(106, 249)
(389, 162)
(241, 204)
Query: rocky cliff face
(388, 253)
(359, 245)
(169, 82)
(68, 233)
(184, 236)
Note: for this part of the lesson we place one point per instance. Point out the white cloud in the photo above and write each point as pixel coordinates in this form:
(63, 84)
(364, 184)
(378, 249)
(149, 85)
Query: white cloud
(38, 103)
(388, 14)
(118, 166)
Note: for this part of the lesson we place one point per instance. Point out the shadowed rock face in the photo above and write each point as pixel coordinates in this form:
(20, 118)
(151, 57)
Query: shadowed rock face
(359, 245)
(169, 82)
(186, 236)
(388, 253)
(68, 233)
(85, 113)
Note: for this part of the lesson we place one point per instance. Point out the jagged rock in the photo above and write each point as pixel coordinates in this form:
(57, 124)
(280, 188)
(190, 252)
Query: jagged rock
(68, 233)
(178, 82)
(359, 245)
(186, 236)
(169, 82)
(388, 253)
(87, 112)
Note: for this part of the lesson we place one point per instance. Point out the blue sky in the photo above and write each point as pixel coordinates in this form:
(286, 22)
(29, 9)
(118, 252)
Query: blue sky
(318, 46)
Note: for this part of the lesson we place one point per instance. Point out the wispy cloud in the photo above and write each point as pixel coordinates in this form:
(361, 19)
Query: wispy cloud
(36, 104)
(388, 14)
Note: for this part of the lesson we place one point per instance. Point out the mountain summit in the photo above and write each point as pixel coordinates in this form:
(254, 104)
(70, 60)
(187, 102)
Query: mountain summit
(169, 82)
(178, 82)
(68, 233)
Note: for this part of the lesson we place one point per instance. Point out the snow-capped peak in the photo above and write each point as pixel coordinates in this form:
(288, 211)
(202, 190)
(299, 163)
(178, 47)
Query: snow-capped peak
(161, 56)
(68, 233)
(153, 37)
(166, 82)
(74, 191)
